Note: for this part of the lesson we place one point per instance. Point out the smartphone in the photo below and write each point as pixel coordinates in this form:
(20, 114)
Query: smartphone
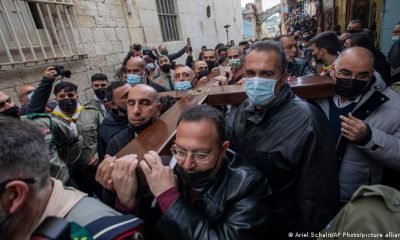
(188, 43)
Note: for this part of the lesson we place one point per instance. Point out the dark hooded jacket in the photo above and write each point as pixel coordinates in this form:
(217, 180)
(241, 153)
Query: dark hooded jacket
(111, 125)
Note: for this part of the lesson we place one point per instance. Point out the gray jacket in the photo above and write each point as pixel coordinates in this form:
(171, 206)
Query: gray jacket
(362, 165)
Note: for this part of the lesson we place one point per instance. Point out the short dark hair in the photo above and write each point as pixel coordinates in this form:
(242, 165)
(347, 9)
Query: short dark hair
(279, 38)
(205, 112)
(99, 77)
(271, 45)
(328, 41)
(221, 49)
(110, 89)
(356, 21)
(24, 152)
(361, 40)
(243, 43)
(66, 86)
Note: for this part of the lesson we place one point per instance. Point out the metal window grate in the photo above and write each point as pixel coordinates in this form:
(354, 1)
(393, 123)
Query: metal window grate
(38, 31)
(168, 20)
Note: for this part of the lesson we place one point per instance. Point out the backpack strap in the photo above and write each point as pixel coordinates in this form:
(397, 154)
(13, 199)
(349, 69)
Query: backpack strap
(102, 222)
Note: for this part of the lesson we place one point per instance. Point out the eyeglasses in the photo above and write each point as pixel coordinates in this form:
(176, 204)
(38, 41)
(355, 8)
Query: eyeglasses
(181, 154)
(348, 74)
(26, 180)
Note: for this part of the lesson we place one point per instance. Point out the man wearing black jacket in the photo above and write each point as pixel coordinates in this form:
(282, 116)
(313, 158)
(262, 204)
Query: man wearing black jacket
(143, 108)
(117, 119)
(290, 143)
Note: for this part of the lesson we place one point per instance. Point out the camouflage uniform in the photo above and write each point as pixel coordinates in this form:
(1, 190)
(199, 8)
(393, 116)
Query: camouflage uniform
(65, 145)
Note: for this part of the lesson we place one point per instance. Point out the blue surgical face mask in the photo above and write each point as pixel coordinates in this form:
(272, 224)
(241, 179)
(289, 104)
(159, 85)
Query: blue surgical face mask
(260, 90)
(134, 79)
(395, 38)
(183, 85)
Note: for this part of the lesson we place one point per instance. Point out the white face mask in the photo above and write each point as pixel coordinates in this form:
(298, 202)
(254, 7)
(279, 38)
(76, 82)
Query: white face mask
(395, 38)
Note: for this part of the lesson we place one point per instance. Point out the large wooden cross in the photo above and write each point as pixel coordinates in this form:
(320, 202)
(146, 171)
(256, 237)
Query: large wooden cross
(159, 136)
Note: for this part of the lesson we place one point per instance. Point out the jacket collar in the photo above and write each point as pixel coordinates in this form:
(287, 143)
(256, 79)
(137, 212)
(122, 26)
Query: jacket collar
(256, 116)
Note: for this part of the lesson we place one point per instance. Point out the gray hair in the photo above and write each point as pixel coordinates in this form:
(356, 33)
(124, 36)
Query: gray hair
(237, 48)
(24, 152)
(270, 45)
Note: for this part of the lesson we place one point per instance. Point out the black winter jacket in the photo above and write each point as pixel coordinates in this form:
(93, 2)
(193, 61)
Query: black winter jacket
(234, 206)
(290, 142)
(111, 125)
(300, 67)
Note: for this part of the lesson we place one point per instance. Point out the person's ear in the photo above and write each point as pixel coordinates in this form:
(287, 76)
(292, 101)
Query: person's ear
(15, 195)
(159, 107)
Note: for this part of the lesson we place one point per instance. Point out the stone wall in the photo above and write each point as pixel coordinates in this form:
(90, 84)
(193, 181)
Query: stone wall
(108, 30)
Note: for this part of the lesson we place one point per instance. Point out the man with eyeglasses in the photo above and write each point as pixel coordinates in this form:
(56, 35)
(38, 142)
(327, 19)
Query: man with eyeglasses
(364, 117)
(214, 194)
(28, 195)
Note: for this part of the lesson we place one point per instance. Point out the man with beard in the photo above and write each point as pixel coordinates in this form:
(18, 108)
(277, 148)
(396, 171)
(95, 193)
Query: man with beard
(166, 74)
(289, 142)
(364, 117)
(236, 59)
(325, 47)
(117, 119)
(86, 120)
(214, 194)
(200, 69)
(143, 109)
(99, 85)
(296, 67)
(210, 57)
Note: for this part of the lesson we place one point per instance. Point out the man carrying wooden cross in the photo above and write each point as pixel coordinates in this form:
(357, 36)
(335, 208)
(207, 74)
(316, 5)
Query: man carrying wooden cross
(289, 141)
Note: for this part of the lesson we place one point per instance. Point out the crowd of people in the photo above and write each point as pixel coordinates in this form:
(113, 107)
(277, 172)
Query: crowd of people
(273, 166)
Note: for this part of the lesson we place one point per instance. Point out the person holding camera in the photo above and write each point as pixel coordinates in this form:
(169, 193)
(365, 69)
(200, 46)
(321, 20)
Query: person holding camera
(86, 120)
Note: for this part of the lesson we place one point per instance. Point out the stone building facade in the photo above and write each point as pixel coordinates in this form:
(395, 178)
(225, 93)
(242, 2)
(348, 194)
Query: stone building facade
(106, 30)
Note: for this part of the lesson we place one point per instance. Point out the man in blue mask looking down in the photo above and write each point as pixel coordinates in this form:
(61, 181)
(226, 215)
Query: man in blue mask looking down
(290, 143)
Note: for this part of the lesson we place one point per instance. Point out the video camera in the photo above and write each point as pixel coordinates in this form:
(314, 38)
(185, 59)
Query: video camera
(61, 71)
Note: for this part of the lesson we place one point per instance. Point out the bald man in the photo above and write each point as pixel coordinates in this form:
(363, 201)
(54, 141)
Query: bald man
(143, 110)
(24, 94)
(136, 74)
(364, 117)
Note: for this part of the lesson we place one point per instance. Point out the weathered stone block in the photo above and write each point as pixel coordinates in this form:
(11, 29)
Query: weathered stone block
(86, 8)
(103, 10)
(110, 34)
(122, 34)
(99, 34)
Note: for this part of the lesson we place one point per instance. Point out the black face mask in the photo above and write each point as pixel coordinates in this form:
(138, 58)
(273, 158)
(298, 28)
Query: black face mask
(68, 105)
(100, 93)
(141, 128)
(221, 60)
(164, 52)
(122, 110)
(210, 64)
(12, 112)
(202, 73)
(195, 180)
(198, 179)
(353, 31)
(350, 88)
(166, 68)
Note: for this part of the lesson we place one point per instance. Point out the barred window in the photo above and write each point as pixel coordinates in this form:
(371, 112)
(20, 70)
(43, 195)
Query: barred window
(168, 20)
(38, 31)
